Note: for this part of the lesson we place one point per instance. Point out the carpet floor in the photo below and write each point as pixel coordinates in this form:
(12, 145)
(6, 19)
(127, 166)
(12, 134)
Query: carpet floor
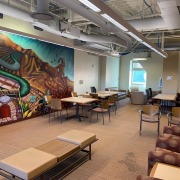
(119, 154)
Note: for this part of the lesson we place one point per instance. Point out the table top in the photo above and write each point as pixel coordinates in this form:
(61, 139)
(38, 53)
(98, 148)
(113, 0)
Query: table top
(59, 148)
(101, 95)
(165, 171)
(108, 92)
(170, 97)
(81, 100)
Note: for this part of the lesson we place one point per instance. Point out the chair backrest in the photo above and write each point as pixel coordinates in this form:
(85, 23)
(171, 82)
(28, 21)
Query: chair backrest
(95, 96)
(150, 92)
(112, 99)
(147, 94)
(104, 104)
(176, 112)
(74, 94)
(56, 104)
(47, 99)
(93, 89)
(150, 110)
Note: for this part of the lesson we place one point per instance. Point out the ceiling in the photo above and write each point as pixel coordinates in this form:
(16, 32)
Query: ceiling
(157, 20)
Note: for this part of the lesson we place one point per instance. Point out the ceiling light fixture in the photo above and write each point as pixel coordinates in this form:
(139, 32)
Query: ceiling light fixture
(90, 5)
(139, 59)
(134, 36)
(114, 18)
(110, 19)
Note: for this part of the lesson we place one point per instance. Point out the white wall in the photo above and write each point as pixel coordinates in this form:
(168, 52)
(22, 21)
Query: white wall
(153, 66)
(154, 69)
(86, 68)
(112, 72)
(171, 68)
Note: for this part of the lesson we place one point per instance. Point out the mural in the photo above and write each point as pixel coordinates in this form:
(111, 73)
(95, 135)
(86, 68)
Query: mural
(30, 69)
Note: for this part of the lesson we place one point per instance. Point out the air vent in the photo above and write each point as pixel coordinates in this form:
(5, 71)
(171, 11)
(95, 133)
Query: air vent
(38, 28)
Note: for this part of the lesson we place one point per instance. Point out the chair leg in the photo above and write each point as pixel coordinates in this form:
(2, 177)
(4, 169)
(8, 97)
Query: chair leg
(140, 127)
(109, 114)
(61, 115)
(103, 117)
(158, 128)
(66, 112)
(91, 115)
(49, 115)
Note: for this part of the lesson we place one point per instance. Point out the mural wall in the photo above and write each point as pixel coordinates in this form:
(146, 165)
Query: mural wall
(30, 69)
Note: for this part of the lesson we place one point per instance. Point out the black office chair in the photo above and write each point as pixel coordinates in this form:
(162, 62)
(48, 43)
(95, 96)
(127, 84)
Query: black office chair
(150, 92)
(93, 89)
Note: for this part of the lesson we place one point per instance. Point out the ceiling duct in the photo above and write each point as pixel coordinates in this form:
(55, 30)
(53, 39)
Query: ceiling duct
(106, 27)
(169, 17)
(170, 12)
(63, 29)
(103, 39)
(42, 10)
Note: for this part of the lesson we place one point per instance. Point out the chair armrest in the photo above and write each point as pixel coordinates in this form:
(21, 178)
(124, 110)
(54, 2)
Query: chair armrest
(169, 141)
(169, 114)
(163, 156)
(175, 130)
(140, 113)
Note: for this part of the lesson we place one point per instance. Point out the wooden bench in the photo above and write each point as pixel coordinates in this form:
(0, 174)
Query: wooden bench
(34, 162)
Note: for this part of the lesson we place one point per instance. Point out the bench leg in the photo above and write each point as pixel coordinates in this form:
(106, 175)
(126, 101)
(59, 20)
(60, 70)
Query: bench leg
(90, 152)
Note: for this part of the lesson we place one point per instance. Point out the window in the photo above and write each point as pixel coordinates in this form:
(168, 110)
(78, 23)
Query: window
(138, 73)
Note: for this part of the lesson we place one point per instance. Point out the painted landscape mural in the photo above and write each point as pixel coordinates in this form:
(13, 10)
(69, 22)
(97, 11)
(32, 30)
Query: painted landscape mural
(29, 70)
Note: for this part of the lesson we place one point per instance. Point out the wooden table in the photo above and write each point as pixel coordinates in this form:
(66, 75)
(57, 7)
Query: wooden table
(77, 101)
(166, 100)
(108, 92)
(168, 97)
(100, 94)
(165, 171)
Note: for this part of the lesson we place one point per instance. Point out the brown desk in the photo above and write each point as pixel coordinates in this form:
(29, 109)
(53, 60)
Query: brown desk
(165, 171)
(78, 100)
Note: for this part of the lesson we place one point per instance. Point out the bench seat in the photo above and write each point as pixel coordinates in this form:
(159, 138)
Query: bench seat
(81, 138)
(34, 162)
(28, 164)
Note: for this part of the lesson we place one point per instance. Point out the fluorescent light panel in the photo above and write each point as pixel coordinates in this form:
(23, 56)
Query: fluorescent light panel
(134, 36)
(140, 59)
(90, 5)
(114, 22)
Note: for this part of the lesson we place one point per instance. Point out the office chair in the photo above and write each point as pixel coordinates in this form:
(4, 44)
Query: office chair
(93, 89)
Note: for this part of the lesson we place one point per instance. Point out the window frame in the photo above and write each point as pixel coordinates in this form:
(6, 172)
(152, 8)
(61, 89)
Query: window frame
(137, 69)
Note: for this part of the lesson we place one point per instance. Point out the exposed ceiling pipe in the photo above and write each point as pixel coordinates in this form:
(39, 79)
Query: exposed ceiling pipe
(42, 10)
(105, 27)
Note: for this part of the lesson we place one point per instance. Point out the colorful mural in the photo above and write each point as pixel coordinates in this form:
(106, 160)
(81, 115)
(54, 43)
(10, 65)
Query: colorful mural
(33, 68)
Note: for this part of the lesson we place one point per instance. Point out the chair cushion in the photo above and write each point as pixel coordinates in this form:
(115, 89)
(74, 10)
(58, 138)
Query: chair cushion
(169, 141)
(28, 163)
(99, 110)
(81, 138)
